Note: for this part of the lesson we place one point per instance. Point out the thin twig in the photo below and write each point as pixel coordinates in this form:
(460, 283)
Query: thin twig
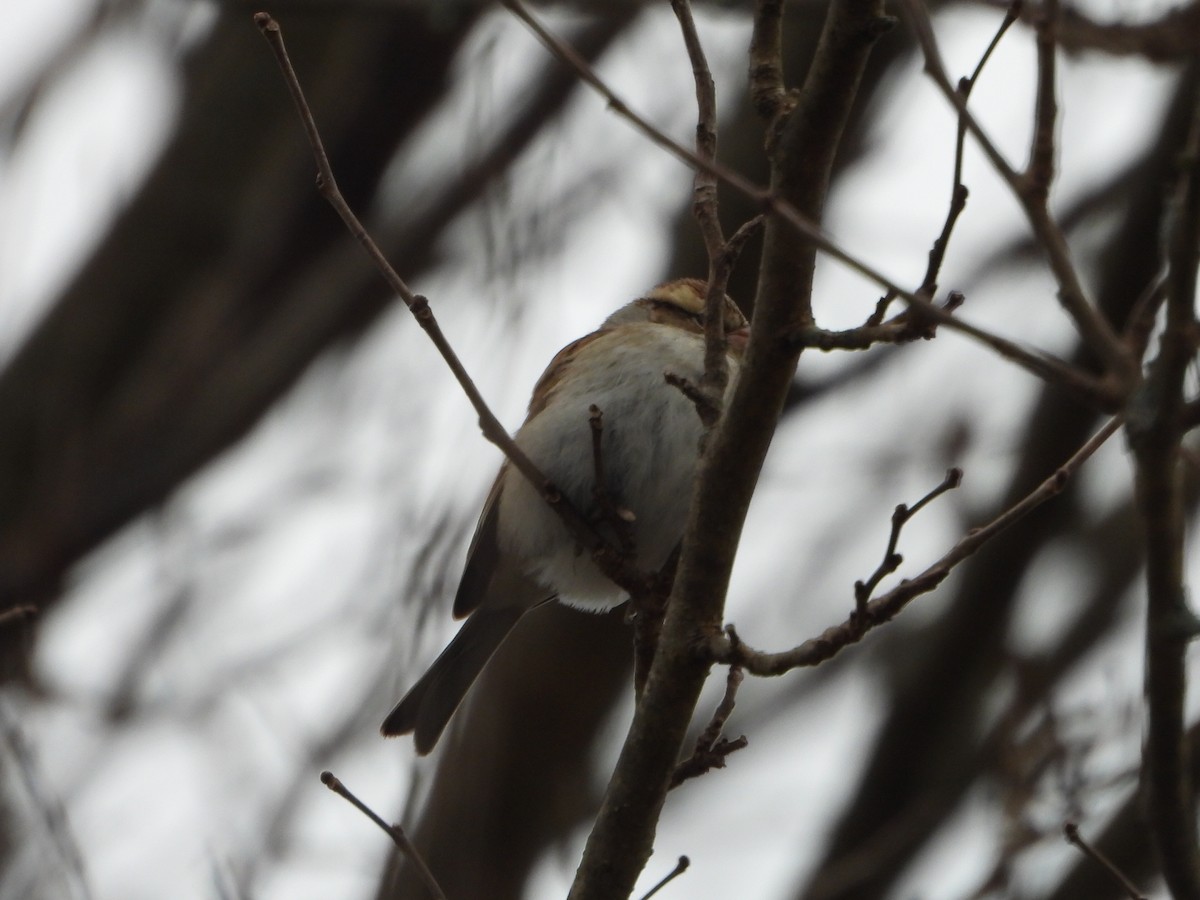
(708, 410)
(607, 557)
(711, 749)
(773, 204)
(680, 868)
(395, 832)
(704, 208)
(958, 190)
(1092, 326)
(1071, 832)
(1140, 324)
(1039, 171)
(728, 648)
(1095, 392)
(891, 559)
(1167, 39)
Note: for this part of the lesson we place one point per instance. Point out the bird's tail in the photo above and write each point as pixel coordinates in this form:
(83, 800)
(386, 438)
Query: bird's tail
(430, 703)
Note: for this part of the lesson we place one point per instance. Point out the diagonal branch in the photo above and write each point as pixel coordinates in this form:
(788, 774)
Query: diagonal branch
(728, 648)
(609, 558)
(395, 832)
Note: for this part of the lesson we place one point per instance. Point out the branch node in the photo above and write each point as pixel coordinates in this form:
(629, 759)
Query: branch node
(711, 748)
(706, 408)
(891, 559)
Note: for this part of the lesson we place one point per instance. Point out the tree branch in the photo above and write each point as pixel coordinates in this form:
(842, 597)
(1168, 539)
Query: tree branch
(395, 832)
(1071, 832)
(623, 836)
(1155, 431)
(777, 204)
(1089, 322)
(610, 560)
(728, 647)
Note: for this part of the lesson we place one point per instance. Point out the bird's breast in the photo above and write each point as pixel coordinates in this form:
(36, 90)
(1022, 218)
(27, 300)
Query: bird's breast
(650, 435)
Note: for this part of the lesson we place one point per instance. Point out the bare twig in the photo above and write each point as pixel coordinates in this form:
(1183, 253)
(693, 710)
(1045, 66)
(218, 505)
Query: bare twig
(708, 409)
(891, 559)
(704, 195)
(728, 648)
(778, 206)
(711, 749)
(607, 557)
(958, 190)
(1095, 392)
(704, 207)
(680, 868)
(1039, 171)
(1071, 832)
(1092, 326)
(733, 246)
(646, 611)
(395, 832)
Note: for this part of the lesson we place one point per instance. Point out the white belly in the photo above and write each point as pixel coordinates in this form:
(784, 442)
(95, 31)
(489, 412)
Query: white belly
(651, 435)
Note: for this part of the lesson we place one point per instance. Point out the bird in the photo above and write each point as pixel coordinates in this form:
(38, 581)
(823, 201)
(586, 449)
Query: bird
(521, 554)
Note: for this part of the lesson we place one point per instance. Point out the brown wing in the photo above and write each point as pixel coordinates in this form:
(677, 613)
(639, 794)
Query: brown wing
(545, 386)
(483, 555)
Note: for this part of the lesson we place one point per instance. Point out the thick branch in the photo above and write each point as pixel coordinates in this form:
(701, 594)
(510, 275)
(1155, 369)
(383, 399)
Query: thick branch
(621, 841)
(1155, 432)
(766, 61)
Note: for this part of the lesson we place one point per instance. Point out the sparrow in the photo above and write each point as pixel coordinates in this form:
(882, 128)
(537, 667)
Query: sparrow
(522, 555)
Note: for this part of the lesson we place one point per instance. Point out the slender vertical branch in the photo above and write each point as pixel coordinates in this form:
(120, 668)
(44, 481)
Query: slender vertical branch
(958, 190)
(705, 209)
(1155, 432)
(1091, 324)
(766, 60)
(802, 159)
(1039, 172)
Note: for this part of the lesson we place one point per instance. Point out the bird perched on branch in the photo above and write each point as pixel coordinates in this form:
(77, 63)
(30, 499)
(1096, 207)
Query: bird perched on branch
(522, 554)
